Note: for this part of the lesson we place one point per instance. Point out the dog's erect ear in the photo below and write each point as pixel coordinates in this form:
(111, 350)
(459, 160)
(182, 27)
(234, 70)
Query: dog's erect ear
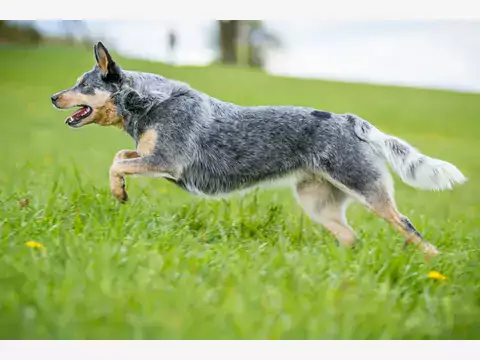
(110, 70)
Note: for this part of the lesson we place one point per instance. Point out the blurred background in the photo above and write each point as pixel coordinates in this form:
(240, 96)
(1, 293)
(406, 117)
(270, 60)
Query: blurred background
(429, 54)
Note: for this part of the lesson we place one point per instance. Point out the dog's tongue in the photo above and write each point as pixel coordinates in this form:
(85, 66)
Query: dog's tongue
(79, 113)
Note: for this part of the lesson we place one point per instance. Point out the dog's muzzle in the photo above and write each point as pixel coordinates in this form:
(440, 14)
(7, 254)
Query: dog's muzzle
(54, 99)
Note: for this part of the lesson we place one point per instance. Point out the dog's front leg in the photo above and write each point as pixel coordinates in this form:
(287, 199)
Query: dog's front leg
(117, 183)
(126, 154)
(129, 165)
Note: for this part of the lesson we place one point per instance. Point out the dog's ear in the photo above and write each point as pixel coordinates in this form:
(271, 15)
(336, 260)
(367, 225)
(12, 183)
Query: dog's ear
(110, 70)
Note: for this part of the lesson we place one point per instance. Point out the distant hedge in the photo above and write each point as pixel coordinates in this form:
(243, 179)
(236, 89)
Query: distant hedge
(12, 33)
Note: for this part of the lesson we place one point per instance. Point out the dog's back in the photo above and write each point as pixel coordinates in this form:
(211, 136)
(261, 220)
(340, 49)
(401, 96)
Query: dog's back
(222, 147)
(242, 146)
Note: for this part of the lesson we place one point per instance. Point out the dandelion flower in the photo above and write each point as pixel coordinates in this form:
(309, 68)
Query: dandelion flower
(35, 245)
(436, 275)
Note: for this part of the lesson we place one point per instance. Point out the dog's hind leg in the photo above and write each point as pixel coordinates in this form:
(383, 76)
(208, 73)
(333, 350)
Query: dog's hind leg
(327, 205)
(379, 200)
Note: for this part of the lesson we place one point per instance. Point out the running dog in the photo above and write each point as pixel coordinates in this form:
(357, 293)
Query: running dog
(210, 147)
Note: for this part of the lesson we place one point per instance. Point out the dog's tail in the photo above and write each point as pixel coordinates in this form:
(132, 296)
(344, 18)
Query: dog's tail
(414, 168)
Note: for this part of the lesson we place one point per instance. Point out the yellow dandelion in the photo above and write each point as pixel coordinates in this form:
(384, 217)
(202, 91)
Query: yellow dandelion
(436, 275)
(35, 245)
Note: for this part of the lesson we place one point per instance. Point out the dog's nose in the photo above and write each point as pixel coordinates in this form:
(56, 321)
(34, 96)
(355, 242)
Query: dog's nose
(54, 98)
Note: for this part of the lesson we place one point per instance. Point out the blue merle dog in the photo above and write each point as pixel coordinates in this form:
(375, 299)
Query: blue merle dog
(210, 147)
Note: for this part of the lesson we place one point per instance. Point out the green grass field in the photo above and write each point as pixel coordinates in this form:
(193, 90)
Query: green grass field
(169, 265)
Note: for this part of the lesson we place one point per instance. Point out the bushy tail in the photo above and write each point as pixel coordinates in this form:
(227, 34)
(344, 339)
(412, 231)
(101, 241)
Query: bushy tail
(414, 168)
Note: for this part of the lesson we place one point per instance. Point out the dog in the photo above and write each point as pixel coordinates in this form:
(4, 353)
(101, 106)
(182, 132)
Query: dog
(209, 147)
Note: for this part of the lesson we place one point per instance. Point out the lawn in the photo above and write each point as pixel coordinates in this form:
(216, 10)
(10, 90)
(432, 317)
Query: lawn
(169, 265)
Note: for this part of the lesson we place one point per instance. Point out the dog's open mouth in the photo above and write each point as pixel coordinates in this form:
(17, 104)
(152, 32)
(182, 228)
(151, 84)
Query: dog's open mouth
(75, 119)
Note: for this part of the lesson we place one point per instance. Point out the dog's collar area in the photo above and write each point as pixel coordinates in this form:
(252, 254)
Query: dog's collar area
(129, 81)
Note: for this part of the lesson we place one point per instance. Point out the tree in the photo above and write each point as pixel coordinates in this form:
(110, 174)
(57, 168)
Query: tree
(245, 42)
(228, 35)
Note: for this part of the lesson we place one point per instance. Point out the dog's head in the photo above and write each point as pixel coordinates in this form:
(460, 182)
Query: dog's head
(93, 93)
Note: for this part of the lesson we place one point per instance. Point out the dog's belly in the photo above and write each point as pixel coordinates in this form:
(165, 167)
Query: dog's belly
(221, 187)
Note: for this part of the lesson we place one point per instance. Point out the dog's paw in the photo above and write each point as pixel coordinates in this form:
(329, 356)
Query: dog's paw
(117, 188)
(430, 251)
(121, 195)
(123, 198)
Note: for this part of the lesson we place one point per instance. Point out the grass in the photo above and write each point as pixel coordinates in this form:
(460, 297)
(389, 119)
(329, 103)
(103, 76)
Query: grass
(172, 266)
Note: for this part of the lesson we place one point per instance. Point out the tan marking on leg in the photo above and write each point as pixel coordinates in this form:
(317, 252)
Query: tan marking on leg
(117, 187)
(125, 154)
(117, 176)
(147, 142)
(132, 166)
(327, 206)
(117, 181)
(385, 207)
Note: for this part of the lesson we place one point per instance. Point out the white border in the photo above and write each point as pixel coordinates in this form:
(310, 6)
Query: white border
(243, 9)
(211, 350)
